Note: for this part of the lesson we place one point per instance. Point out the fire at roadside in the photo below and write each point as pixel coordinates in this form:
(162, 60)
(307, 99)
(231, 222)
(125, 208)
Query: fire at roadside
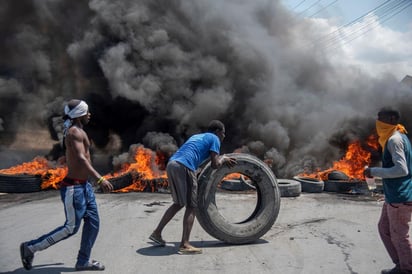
(143, 170)
(352, 163)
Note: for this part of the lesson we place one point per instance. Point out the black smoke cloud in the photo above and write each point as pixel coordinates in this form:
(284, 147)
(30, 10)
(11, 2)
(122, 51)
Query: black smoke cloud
(169, 67)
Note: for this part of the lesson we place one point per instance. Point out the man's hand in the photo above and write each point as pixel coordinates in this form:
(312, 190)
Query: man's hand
(367, 173)
(228, 161)
(106, 186)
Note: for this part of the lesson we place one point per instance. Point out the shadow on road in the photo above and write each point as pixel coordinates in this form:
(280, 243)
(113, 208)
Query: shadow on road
(172, 247)
(56, 268)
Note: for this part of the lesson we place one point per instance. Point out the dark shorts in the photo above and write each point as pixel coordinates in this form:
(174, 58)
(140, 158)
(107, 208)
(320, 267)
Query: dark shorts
(182, 183)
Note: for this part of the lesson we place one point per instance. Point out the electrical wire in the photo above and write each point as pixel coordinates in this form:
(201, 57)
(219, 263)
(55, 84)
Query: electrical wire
(383, 12)
(309, 7)
(365, 30)
(295, 7)
(325, 7)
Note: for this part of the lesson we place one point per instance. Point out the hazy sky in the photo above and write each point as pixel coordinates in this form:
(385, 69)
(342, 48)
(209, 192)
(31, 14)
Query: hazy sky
(378, 43)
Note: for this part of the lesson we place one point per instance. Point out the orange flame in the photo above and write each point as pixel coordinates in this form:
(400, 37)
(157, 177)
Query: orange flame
(372, 141)
(352, 164)
(232, 176)
(50, 175)
(146, 163)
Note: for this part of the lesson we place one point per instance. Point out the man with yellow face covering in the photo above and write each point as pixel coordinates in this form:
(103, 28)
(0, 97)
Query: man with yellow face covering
(396, 175)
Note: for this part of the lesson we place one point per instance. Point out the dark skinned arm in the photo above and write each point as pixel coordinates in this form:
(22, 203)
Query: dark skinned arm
(219, 160)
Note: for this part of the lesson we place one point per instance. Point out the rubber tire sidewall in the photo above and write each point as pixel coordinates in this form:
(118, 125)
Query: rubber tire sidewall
(289, 188)
(121, 182)
(267, 207)
(310, 185)
(20, 183)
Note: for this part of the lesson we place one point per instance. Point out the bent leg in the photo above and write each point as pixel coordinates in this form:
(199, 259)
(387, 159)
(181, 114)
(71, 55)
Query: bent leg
(70, 227)
(167, 216)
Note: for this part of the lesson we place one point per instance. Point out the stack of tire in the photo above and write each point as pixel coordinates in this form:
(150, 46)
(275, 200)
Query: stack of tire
(310, 185)
(26, 183)
(20, 183)
(122, 181)
(337, 181)
(341, 183)
(289, 187)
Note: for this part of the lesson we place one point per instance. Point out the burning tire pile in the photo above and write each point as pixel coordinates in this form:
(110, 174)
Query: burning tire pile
(260, 179)
(20, 183)
(123, 182)
(254, 177)
(339, 182)
(289, 188)
(336, 181)
(310, 185)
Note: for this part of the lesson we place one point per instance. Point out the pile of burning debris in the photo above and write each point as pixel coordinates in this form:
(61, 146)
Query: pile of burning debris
(141, 174)
(143, 171)
(338, 181)
(346, 175)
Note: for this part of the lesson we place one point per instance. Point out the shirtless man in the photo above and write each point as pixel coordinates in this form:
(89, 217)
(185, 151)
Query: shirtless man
(76, 193)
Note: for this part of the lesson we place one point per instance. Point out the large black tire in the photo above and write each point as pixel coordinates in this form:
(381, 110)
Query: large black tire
(122, 181)
(349, 187)
(235, 185)
(289, 188)
(331, 185)
(20, 183)
(310, 185)
(263, 216)
(337, 175)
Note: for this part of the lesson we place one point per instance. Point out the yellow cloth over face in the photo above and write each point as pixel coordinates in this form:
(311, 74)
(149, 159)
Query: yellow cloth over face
(385, 131)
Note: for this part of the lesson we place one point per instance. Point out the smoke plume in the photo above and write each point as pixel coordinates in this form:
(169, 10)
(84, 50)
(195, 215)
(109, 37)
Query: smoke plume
(155, 72)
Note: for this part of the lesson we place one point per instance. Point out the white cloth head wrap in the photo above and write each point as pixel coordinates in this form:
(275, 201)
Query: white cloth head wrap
(78, 111)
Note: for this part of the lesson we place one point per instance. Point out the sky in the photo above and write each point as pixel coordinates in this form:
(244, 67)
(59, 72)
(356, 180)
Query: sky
(346, 11)
(378, 43)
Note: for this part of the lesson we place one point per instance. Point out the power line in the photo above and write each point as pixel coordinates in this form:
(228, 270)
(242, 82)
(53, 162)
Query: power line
(295, 7)
(332, 34)
(327, 6)
(393, 11)
(309, 7)
(384, 12)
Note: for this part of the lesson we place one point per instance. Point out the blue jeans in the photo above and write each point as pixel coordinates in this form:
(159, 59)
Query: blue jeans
(79, 203)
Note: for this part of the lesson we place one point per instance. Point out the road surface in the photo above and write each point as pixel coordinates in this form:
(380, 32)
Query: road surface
(314, 233)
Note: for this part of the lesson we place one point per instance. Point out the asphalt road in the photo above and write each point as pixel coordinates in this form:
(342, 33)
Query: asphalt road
(314, 233)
